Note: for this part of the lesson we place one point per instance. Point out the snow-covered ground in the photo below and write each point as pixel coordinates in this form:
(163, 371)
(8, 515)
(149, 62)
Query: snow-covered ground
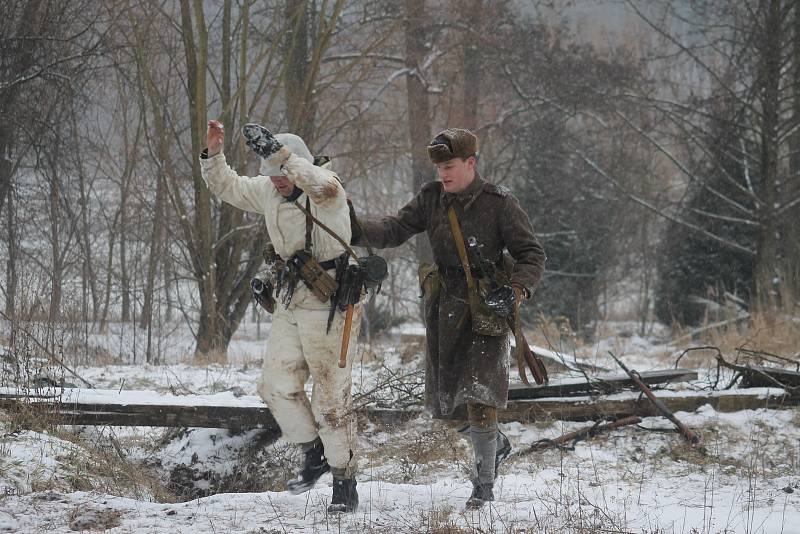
(413, 477)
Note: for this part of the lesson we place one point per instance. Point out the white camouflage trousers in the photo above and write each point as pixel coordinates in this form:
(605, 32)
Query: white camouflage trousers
(298, 347)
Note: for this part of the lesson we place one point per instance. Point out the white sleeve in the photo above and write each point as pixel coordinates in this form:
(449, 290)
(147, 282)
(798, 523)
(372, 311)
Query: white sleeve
(244, 192)
(321, 185)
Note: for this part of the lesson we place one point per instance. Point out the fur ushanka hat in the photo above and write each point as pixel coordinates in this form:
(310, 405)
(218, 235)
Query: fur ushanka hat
(453, 143)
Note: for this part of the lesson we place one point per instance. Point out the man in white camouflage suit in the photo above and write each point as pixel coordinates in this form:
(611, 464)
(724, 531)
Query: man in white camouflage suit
(300, 343)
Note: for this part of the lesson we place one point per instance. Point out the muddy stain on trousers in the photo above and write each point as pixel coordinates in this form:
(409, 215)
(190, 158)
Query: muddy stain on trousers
(298, 347)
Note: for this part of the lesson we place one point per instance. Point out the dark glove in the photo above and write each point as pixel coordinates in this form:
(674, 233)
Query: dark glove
(502, 300)
(260, 140)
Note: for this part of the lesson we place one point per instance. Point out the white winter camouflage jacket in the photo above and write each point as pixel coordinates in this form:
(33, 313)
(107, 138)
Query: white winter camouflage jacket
(286, 224)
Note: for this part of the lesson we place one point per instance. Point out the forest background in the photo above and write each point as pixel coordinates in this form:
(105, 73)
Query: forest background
(654, 145)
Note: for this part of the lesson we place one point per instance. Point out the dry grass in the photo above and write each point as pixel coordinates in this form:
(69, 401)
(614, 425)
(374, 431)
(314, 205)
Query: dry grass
(770, 333)
(440, 521)
(219, 357)
(555, 332)
(417, 453)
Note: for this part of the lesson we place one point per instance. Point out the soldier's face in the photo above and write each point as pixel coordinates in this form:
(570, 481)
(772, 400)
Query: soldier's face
(283, 185)
(456, 174)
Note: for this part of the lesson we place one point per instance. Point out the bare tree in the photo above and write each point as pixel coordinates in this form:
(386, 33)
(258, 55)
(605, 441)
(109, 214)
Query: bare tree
(744, 51)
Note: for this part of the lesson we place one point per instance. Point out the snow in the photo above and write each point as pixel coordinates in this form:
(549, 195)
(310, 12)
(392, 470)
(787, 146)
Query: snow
(413, 477)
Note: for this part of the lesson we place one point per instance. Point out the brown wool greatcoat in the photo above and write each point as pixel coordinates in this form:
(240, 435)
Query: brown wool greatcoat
(462, 367)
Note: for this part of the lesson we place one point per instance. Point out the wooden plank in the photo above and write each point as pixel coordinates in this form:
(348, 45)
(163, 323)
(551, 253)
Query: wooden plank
(756, 376)
(523, 410)
(233, 417)
(625, 404)
(560, 362)
(602, 384)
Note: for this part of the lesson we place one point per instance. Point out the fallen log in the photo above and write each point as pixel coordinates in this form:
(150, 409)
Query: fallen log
(76, 406)
(138, 408)
(755, 376)
(597, 385)
(631, 403)
(583, 433)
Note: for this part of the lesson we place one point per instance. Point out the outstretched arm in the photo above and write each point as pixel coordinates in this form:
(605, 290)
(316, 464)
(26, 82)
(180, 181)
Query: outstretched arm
(392, 231)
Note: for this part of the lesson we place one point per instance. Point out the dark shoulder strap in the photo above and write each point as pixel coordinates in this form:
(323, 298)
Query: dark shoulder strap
(311, 220)
(309, 224)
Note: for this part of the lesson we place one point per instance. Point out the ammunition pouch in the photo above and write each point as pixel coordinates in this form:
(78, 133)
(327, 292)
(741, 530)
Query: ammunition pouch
(429, 281)
(490, 309)
(314, 275)
(485, 322)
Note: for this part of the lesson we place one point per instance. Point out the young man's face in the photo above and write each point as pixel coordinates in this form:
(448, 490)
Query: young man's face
(283, 185)
(456, 174)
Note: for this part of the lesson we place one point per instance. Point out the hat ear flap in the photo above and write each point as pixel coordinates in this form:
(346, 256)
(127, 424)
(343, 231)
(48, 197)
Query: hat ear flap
(439, 153)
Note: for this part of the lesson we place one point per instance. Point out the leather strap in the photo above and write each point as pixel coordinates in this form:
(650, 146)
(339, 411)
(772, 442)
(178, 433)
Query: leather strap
(309, 224)
(310, 217)
(458, 237)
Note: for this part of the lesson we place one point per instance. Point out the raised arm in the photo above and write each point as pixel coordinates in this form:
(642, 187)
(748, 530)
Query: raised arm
(321, 185)
(225, 183)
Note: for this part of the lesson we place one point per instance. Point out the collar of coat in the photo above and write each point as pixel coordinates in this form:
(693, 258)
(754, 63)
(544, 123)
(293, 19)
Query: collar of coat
(468, 195)
(296, 192)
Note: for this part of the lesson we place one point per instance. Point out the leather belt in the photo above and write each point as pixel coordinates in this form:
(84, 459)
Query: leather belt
(458, 270)
(328, 265)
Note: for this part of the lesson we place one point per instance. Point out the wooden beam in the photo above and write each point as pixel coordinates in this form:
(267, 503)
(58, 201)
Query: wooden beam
(207, 412)
(233, 417)
(756, 376)
(624, 404)
(602, 384)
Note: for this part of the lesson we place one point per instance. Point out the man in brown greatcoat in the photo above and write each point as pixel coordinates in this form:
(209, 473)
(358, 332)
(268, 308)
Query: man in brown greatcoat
(464, 368)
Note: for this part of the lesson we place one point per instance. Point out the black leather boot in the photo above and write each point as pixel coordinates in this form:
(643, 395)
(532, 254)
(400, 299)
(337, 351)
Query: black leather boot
(345, 496)
(481, 494)
(314, 466)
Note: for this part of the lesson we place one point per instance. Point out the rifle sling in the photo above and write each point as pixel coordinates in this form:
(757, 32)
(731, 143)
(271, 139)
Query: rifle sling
(309, 223)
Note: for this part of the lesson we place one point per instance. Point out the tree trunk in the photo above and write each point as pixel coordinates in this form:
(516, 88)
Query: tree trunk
(57, 269)
(792, 228)
(472, 63)
(29, 27)
(419, 126)
(124, 279)
(300, 108)
(767, 249)
(228, 251)
(109, 273)
(86, 229)
(11, 263)
(208, 339)
(156, 240)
